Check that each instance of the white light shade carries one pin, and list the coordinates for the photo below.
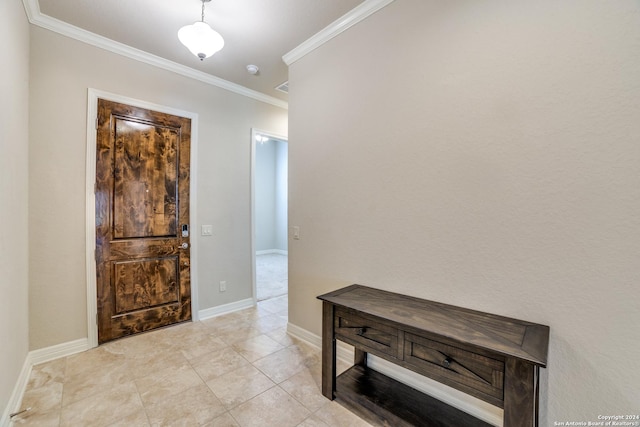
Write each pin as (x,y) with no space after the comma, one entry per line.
(201,39)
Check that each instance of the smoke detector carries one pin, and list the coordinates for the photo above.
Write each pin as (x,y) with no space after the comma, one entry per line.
(252,69)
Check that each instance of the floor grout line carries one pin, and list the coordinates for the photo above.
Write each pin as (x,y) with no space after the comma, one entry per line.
(281,362)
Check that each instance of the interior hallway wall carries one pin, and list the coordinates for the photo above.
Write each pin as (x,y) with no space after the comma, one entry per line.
(265,195)
(14,142)
(482,154)
(61,71)
(282,195)
(271,195)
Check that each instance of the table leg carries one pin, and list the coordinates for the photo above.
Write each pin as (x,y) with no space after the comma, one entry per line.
(328,351)
(521,394)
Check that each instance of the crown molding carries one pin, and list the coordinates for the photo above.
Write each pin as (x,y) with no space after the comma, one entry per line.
(361,12)
(32,9)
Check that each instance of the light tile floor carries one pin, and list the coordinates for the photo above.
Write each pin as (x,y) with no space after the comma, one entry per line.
(272,278)
(240,369)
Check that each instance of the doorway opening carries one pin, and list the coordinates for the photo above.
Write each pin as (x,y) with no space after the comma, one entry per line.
(269,203)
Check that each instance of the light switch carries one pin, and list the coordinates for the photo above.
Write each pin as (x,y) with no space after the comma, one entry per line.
(207,230)
(296,232)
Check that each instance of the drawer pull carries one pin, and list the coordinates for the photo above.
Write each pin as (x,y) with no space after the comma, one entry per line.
(446,362)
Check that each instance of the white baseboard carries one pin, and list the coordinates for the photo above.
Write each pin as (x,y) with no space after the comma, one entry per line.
(476,407)
(16,396)
(344,352)
(33,358)
(304,335)
(225,309)
(272,251)
(42,355)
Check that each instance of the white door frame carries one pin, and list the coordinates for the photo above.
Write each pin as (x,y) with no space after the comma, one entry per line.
(273,135)
(92,113)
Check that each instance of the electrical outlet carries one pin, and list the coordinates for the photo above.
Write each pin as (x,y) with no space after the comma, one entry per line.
(223,286)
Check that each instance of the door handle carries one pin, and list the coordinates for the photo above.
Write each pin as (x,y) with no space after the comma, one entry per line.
(185,245)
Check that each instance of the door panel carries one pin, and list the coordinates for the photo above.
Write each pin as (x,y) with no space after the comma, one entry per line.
(142,201)
(145,180)
(145,283)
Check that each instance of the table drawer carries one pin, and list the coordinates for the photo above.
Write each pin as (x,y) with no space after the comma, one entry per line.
(366,333)
(475,374)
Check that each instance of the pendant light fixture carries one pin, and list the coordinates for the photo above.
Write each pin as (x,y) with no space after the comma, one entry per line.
(200,38)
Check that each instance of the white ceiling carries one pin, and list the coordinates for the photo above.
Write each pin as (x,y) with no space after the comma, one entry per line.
(256,32)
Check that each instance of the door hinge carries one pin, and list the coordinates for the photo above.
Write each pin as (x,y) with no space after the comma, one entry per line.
(96,318)
(96,123)
(95,254)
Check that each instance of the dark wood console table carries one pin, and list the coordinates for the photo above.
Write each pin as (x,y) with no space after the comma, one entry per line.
(494,358)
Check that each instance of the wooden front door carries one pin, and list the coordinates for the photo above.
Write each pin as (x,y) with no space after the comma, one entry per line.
(142,220)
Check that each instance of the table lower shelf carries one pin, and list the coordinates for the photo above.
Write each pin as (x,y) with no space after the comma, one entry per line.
(384,401)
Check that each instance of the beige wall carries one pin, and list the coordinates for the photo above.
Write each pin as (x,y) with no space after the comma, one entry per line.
(61,71)
(14,115)
(483,154)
